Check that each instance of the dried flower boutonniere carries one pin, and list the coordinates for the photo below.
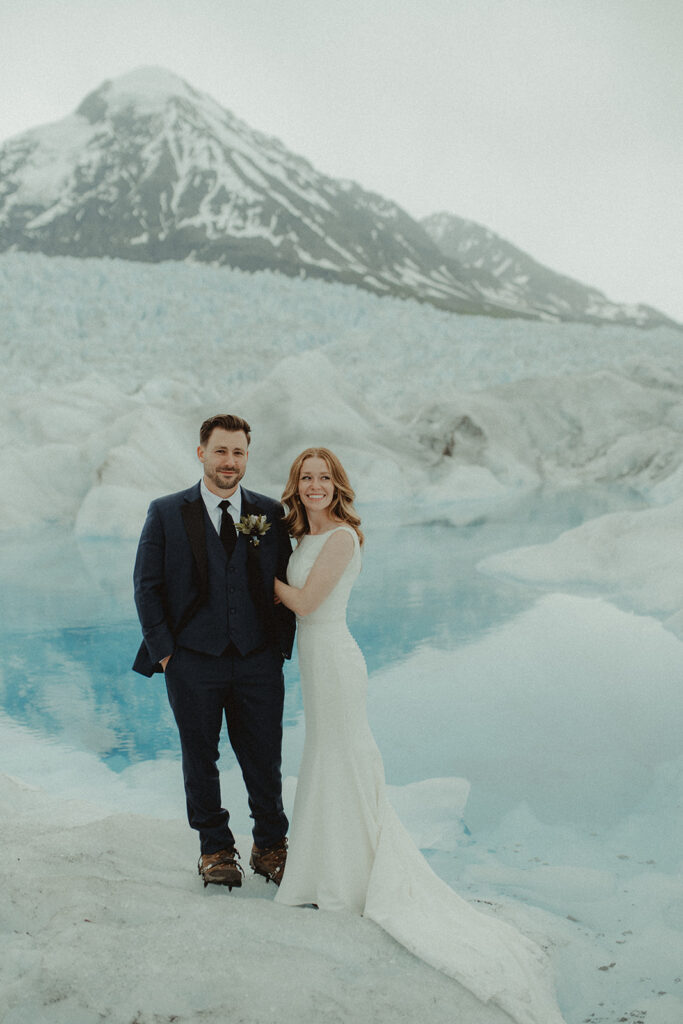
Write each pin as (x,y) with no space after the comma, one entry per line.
(253,528)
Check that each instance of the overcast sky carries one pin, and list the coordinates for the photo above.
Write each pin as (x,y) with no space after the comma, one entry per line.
(556,123)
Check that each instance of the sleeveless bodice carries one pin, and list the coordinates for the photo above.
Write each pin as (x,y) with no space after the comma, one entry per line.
(333,608)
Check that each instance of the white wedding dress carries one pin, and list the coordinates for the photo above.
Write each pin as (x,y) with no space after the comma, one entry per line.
(349,851)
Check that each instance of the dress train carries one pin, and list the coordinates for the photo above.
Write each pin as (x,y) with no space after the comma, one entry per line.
(348,849)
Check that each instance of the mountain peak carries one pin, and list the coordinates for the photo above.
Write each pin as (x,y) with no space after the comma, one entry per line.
(150,78)
(146,88)
(149,168)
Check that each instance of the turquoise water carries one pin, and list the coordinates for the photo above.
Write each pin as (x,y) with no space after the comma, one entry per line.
(69,631)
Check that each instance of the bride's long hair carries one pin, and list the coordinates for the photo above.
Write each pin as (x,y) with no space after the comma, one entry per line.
(296,519)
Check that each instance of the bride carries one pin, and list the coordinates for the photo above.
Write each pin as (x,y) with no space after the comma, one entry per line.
(347,848)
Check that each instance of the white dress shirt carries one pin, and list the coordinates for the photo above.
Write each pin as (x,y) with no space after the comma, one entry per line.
(212,501)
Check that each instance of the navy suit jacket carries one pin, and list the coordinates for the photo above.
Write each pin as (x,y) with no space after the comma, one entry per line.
(171,574)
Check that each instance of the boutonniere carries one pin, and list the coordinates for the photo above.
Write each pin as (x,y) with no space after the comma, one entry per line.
(253,527)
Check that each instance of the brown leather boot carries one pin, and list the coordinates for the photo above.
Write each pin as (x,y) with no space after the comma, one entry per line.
(221,868)
(270,861)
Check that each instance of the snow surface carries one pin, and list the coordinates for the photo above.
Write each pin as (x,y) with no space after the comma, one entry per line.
(51,162)
(106,922)
(107,370)
(146,84)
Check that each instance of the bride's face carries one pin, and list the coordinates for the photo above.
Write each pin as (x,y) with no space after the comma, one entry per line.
(316,489)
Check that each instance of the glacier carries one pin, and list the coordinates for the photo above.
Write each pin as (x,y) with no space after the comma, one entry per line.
(445,423)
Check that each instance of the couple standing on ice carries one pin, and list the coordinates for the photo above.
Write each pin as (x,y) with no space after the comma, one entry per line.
(218,597)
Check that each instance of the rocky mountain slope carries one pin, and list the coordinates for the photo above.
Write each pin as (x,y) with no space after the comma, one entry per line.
(149,169)
(524,282)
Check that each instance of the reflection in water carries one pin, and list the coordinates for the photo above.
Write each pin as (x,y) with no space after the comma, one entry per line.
(70,631)
(72,683)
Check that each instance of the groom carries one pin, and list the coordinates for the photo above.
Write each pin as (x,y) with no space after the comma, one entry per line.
(204,573)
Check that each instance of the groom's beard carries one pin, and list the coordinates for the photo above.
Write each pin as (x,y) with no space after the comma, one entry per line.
(224,481)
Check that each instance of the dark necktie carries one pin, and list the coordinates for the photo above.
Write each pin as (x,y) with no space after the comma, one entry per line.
(228,533)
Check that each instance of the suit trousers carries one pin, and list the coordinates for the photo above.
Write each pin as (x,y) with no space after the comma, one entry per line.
(248,691)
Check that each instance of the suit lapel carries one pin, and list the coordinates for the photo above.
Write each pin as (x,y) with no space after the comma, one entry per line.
(249,506)
(195,526)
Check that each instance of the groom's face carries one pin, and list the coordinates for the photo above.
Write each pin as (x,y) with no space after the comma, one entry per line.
(224,458)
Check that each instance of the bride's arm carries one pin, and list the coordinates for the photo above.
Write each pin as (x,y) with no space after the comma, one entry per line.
(335,555)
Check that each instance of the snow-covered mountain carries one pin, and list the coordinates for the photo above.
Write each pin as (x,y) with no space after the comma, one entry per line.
(522,281)
(149,169)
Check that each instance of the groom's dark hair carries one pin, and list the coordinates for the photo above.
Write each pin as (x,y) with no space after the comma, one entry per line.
(226,421)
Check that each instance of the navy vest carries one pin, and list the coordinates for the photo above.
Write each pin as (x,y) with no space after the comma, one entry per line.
(230,614)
